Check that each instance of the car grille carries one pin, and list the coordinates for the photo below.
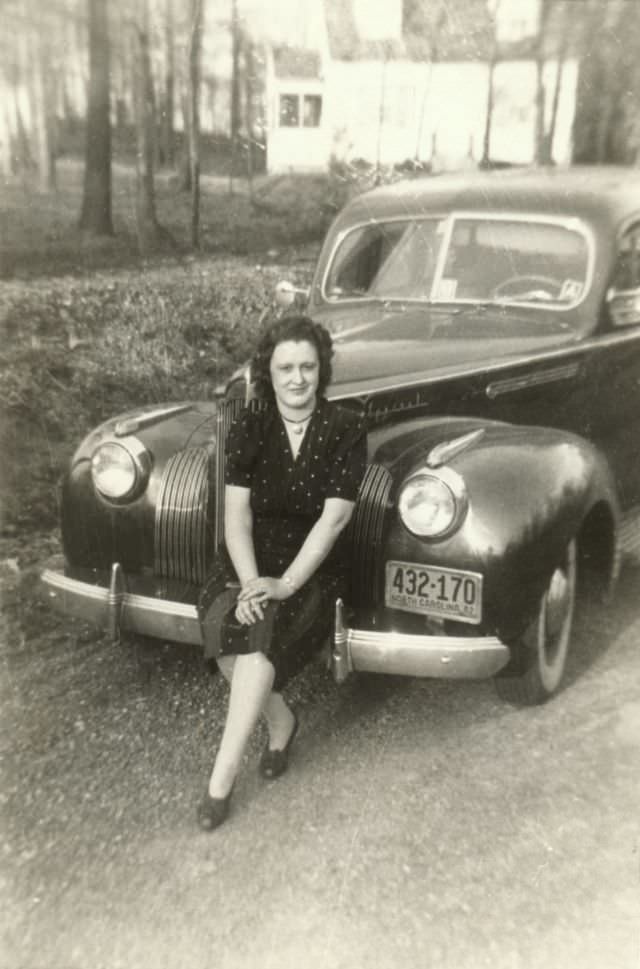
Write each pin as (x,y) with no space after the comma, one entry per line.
(227,412)
(367,535)
(180,538)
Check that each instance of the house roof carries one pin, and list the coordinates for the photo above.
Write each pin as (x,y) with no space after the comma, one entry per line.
(296,62)
(455,30)
(449,29)
(345,43)
(564,31)
(437,30)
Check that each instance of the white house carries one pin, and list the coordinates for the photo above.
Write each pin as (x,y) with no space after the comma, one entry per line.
(352,81)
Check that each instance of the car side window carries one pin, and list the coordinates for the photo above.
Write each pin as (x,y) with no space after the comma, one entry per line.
(624,293)
(627,273)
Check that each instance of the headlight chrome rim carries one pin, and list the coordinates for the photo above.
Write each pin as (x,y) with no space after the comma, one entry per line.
(452,490)
(135,464)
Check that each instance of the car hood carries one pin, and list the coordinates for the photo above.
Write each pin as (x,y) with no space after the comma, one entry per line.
(378,346)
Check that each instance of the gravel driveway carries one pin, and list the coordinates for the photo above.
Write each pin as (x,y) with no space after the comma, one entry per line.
(422,824)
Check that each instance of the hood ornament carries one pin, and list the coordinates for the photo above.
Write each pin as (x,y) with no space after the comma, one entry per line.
(133,424)
(445,452)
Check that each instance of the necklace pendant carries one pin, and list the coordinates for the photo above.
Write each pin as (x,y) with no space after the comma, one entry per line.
(298,429)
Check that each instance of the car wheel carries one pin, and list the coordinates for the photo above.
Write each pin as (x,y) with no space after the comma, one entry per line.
(542,651)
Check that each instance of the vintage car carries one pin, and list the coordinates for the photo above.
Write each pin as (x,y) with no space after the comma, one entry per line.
(488,326)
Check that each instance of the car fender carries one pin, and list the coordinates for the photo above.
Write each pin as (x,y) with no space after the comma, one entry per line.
(95,531)
(530,489)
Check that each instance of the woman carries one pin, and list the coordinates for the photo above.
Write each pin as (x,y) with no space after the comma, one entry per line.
(293,469)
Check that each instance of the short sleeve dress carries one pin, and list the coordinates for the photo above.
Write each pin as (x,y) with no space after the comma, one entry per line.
(287,498)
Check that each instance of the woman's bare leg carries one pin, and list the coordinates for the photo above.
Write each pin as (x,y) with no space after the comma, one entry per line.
(251,683)
(280,721)
(279,718)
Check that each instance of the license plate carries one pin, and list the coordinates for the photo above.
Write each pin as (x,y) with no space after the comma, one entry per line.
(445,593)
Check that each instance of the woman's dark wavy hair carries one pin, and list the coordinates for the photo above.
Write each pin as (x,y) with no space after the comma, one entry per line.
(296,328)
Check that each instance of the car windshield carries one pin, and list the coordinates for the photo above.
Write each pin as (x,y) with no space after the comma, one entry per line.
(463,258)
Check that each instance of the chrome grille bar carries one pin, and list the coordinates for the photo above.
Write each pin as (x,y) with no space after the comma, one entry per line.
(181,517)
(367,532)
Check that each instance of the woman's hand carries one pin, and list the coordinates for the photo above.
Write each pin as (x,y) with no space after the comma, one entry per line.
(264,588)
(249,611)
(255,594)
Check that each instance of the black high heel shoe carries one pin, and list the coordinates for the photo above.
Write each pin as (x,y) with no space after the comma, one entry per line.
(212,811)
(274,763)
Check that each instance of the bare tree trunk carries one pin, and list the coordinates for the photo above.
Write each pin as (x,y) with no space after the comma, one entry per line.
(195,47)
(539,149)
(22,149)
(185,165)
(21,144)
(614,83)
(249,69)
(547,155)
(540,110)
(433,59)
(485,160)
(423,104)
(149,233)
(486,141)
(5,143)
(169,86)
(95,216)
(383,91)
(39,102)
(235,71)
(608,84)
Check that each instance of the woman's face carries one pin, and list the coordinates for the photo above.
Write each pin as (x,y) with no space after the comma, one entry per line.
(295,372)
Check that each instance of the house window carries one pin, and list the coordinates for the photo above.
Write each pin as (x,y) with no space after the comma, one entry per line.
(312,110)
(292,117)
(289,111)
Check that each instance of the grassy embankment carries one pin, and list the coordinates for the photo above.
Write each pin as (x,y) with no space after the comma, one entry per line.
(89,328)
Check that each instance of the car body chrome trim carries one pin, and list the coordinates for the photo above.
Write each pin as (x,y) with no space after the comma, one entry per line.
(402,654)
(182,507)
(511,384)
(115,610)
(130,425)
(448,450)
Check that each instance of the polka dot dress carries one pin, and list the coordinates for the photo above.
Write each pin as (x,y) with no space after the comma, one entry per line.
(287,498)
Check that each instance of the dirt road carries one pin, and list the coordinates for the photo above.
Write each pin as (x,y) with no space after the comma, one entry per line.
(422,825)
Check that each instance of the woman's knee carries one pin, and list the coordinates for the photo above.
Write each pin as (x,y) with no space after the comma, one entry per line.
(256,663)
(226,665)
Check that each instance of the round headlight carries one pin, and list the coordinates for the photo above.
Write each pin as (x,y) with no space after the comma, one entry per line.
(430,506)
(114,471)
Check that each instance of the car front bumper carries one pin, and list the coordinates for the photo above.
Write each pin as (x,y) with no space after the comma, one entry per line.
(117,610)
(397,653)
(353,650)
